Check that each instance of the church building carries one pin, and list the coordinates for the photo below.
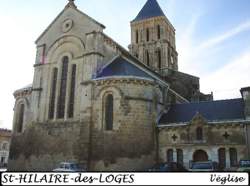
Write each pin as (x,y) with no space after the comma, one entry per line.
(94,102)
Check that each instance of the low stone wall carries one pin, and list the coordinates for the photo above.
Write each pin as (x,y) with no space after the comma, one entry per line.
(42,146)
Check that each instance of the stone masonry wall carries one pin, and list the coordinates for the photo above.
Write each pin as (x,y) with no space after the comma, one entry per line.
(213,139)
(130,145)
(42,146)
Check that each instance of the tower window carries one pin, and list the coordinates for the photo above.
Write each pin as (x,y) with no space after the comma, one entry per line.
(147,57)
(158,31)
(109,112)
(72,92)
(20,118)
(199,133)
(62,95)
(136,36)
(147,34)
(159,59)
(53,94)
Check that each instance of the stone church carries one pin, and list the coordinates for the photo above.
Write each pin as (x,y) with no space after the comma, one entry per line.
(94,102)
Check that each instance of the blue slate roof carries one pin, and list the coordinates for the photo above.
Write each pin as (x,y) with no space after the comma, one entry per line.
(149,10)
(121,67)
(212,111)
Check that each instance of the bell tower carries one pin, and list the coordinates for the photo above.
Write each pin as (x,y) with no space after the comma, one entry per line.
(153,38)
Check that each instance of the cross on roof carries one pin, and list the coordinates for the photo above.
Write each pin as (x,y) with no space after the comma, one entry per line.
(174,137)
(71,4)
(226,135)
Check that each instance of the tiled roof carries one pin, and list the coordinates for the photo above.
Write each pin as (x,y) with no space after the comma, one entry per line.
(212,111)
(121,67)
(150,9)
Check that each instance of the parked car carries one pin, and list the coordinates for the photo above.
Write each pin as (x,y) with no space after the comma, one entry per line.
(69,167)
(244,166)
(168,167)
(203,166)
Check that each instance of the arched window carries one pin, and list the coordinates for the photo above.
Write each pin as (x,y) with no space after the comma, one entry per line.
(147,34)
(109,106)
(136,36)
(180,156)
(20,118)
(222,158)
(159,58)
(158,31)
(53,94)
(147,57)
(72,92)
(233,157)
(199,133)
(170,155)
(63,88)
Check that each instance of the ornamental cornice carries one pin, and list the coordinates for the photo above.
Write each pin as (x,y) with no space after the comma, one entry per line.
(123,81)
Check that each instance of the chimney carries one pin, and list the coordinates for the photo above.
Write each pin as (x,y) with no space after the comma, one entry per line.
(245,93)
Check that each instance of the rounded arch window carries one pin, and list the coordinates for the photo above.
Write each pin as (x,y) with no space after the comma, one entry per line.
(20,118)
(108,110)
(63,88)
(199,133)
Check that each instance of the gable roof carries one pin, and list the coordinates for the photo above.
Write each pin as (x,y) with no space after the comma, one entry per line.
(149,10)
(66,7)
(121,67)
(211,110)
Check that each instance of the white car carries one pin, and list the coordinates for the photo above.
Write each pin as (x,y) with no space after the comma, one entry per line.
(68,167)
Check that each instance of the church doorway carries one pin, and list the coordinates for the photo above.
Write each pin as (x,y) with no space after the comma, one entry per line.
(200,155)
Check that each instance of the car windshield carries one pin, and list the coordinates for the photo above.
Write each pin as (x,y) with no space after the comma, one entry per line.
(74,166)
(68,166)
(202,166)
(158,166)
(62,165)
(245,163)
(166,167)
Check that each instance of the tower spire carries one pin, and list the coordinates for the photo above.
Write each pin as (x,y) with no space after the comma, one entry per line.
(71,4)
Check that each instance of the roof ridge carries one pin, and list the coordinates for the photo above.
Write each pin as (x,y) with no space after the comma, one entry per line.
(221,100)
(57,17)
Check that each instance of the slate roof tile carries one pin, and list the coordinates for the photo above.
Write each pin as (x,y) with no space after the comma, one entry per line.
(212,111)
(149,10)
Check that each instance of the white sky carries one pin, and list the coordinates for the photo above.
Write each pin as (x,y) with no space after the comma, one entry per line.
(212,40)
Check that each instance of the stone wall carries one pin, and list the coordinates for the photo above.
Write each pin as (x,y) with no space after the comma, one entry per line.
(132,140)
(166,42)
(215,135)
(129,146)
(42,146)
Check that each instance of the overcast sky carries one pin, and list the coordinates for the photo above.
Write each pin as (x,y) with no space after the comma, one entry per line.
(212,40)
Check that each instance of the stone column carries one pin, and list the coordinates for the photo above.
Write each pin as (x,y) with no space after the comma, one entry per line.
(227,158)
(174,155)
